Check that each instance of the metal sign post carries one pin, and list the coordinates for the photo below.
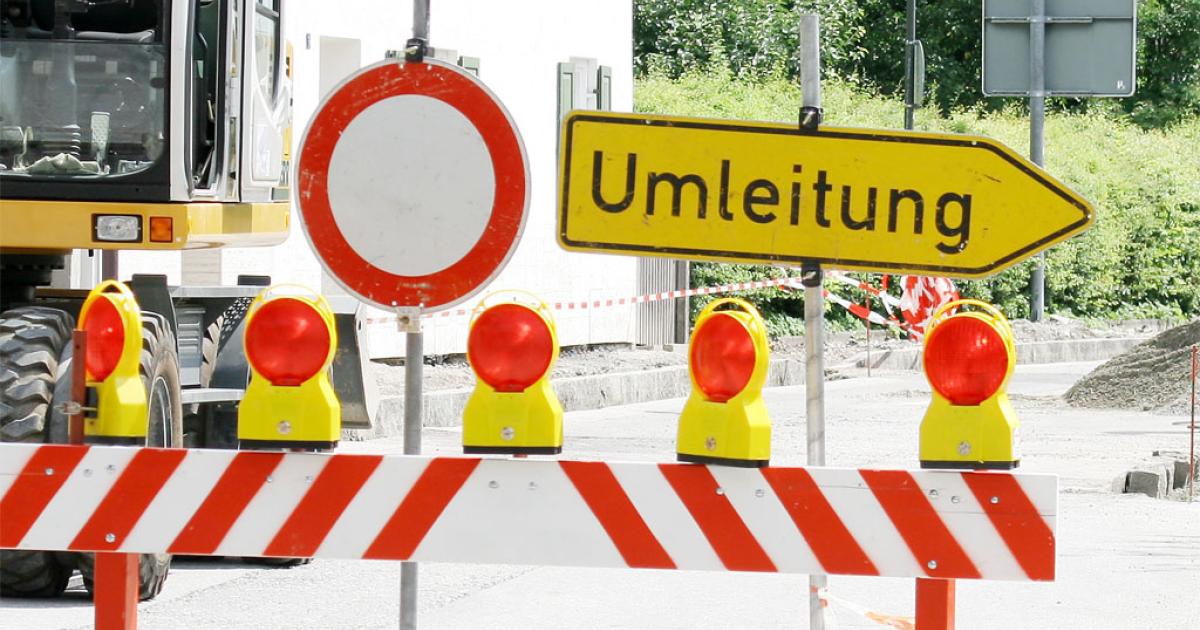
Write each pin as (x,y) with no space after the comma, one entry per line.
(1082,56)
(814,301)
(1037,125)
(910,64)
(414,363)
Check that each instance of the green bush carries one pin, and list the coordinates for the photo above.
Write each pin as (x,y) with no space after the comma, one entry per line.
(862,42)
(1142,257)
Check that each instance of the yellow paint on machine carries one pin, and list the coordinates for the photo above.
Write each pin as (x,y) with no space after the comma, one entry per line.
(60,225)
(869,200)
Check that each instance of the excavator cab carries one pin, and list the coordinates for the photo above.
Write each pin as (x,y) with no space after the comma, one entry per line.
(116,111)
(142,125)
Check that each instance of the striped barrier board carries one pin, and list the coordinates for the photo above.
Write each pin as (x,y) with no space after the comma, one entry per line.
(940,524)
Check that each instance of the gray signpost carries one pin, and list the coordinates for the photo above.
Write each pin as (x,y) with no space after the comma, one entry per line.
(1040,48)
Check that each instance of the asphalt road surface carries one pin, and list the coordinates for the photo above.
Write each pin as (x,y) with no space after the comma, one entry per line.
(1125,561)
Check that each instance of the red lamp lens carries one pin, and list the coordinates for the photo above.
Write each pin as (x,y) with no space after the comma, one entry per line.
(966,360)
(105,338)
(510,347)
(722,357)
(287,341)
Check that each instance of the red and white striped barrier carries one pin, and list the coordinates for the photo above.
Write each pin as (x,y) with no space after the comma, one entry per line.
(941,524)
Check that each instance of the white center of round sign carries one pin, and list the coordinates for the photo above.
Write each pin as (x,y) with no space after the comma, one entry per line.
(413,166)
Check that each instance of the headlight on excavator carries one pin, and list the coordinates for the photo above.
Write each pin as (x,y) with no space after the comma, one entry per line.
(117,228)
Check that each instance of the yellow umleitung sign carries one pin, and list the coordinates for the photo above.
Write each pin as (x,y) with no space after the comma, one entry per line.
(863,199)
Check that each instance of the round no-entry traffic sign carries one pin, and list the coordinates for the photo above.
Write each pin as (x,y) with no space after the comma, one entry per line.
(413,184)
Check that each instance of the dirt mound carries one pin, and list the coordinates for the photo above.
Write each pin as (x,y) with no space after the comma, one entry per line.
(1152,376)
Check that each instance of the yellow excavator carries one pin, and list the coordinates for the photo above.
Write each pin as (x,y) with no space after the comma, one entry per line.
(141,125)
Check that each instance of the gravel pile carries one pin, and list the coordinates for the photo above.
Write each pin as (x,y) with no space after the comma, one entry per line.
(1152,376)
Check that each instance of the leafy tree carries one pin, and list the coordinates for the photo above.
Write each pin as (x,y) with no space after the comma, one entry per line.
(1168,62)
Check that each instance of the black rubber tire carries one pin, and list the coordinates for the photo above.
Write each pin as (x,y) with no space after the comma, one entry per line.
(159,369)
(32,342)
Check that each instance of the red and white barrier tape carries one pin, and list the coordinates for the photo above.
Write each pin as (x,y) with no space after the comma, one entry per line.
(856,309)
(640,299)
(886,297)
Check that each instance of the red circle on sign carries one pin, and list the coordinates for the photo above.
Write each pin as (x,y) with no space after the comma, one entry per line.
(966,360)
(510,347)
(287,341)
(458,89)
(722,357)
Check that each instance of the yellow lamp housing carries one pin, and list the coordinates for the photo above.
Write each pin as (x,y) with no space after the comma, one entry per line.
(512,346)
(290,403)
(969,359)
(725,420)
(117,409)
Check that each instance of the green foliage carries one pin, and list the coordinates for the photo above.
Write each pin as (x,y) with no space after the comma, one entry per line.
(1168,62)
(752,38)
(862,43)
(1142,258)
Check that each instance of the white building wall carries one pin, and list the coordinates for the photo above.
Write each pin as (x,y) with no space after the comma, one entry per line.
(519,45)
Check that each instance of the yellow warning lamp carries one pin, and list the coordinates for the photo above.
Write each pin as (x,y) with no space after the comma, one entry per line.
(725,420)
(290,403)
(969,357)
(513,410)
(117,409)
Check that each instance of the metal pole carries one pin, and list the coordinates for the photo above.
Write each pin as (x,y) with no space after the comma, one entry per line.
(1037,123)
(814,299)
(414,362)
(682,282)
(109,264)
(910,64)
(421,19)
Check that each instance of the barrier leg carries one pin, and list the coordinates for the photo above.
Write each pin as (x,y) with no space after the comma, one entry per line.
(935,604)
(116,591)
